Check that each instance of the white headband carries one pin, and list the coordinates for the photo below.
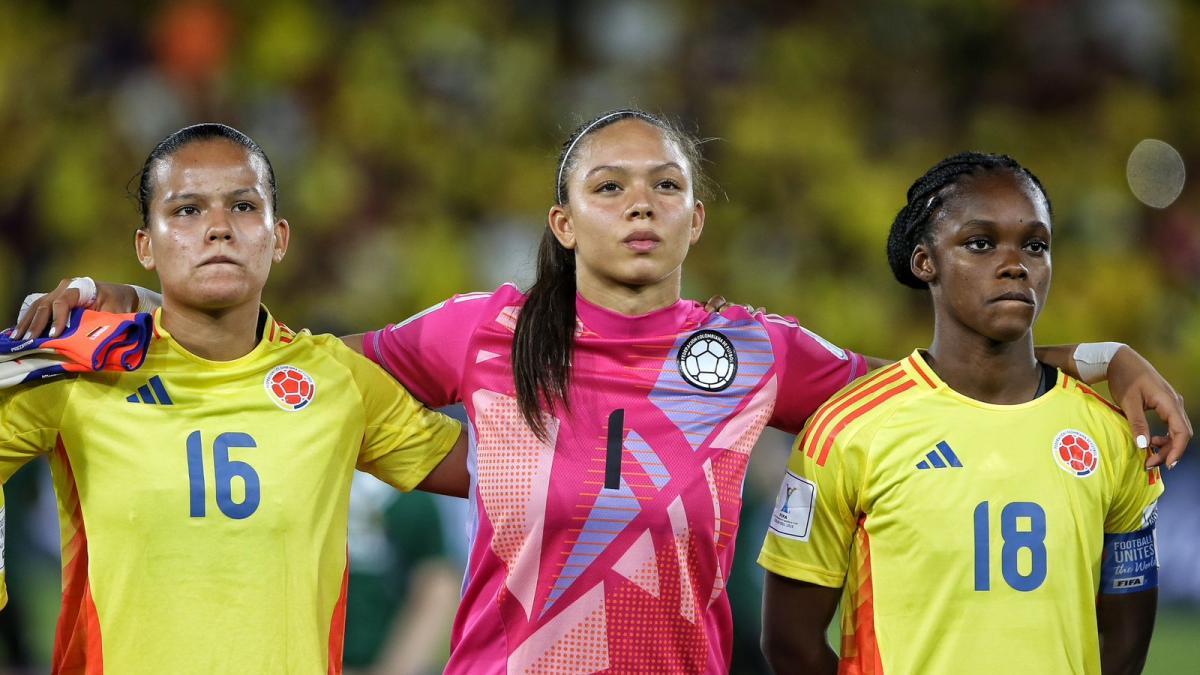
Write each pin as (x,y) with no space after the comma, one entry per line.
(558,186)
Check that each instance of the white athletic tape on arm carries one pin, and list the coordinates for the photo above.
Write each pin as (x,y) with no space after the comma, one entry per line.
(147,300)
(1092,359)
(87,290)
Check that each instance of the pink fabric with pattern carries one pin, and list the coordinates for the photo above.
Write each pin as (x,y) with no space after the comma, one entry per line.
(576,570)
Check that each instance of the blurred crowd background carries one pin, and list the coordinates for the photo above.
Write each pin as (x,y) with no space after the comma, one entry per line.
(415,147)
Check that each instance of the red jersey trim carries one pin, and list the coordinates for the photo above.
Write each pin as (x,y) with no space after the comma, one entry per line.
(78,646)
(861,650)
(337,625)
(919,366)
(867,407)
(1090,392)
(835,406)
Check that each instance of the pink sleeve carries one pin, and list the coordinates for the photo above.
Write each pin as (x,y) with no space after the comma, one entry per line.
(810,369)
(427,351)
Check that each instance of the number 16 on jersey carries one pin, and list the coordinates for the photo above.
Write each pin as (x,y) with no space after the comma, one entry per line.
(225,471)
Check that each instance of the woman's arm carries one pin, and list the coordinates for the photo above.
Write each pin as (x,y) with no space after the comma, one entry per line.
(796,615)
(1126,623)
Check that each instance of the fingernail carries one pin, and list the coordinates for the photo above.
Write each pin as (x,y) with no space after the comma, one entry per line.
(1141,442)
(53,332)
(1172,465)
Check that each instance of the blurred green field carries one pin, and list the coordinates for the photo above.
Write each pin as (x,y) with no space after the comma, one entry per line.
(1176,645)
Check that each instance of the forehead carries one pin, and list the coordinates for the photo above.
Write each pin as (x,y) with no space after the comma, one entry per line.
(215,165)
(1000,196)
(629,141)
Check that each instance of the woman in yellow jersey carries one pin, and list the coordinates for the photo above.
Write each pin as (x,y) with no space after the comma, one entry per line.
(970,500)
(203,498)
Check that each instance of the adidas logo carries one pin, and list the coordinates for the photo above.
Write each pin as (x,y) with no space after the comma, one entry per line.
(947,458)
(152,392)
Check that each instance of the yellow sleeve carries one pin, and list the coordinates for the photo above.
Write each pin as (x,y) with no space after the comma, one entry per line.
(29,422)
(403,440)
(817,509)
(1135,490)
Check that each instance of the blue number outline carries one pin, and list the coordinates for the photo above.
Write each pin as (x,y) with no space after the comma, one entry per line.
(225,471)
(1033,539)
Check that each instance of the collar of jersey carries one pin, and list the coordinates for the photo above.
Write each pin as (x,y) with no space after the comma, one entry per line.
(262,346)
(608,323)
(917,364)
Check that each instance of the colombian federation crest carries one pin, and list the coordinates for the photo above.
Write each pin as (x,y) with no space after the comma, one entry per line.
(708,361)
(1076,453)
(290,388)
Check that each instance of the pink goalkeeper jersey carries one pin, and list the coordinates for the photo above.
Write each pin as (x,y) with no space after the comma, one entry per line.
(608,548)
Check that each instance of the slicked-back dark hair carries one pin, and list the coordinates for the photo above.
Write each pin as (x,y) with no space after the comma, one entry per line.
(913,224)
(197,132)
(545,331)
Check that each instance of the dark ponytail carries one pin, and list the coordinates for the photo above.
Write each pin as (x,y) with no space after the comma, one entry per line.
(545,332)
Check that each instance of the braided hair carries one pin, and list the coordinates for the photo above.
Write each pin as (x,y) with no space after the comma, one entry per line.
(914,222)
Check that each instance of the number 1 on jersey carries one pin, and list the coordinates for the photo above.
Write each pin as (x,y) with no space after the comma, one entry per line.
(225,470)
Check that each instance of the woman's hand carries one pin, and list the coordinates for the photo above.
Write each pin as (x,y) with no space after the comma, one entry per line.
(54,308)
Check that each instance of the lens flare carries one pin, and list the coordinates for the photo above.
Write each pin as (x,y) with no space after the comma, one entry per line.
(1155,172)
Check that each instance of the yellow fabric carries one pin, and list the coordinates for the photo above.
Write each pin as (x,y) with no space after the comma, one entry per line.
(910,545)
(185,576)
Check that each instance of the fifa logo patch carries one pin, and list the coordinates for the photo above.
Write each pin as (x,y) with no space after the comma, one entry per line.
(290,388)
(1076,453)
(708,361)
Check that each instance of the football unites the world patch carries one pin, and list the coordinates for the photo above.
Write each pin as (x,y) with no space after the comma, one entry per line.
(708,361)
(1076,453)
(290,388)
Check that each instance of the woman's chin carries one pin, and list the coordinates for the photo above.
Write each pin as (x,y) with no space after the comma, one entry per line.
(1009,331)
(212,297)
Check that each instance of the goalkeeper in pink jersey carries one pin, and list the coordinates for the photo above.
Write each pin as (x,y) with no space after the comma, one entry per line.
(611,422)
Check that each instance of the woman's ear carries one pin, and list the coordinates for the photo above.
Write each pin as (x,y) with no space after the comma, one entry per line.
(922,264)
(144,248)
(560,223)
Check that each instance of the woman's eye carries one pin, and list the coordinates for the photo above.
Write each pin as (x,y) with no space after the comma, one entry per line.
(668,184)
(979,244)
(1038,246)
(187,211)
(607,187)
(243,207)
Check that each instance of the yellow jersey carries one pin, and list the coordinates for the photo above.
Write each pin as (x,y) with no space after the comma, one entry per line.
(203,504)
(967,536)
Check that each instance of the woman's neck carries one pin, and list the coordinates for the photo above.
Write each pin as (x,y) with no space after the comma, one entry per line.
(216,335)
(1003,373)
(626,299)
